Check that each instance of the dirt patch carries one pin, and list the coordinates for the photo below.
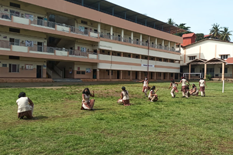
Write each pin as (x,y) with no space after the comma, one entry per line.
(226,147)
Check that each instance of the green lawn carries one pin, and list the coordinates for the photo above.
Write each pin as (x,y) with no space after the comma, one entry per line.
(170,126)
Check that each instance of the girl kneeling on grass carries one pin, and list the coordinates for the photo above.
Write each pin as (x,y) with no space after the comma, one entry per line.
(124,97)
(174,88)
(87,104)
(25,106)
(153,97)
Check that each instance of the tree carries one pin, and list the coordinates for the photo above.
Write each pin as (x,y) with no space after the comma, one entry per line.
(182,26)
(215,31)
(225,34)
(171,22)
(199,36)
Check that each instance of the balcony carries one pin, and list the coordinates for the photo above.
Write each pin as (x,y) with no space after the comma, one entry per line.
(137,42)
(47,25)
(45,50)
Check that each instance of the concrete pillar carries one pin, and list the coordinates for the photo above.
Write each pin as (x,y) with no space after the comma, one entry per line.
(180,47)
(169,45)
(98,74)
(111,32)
(99,28)
(189,71)
(122,35)
(140,57)
(139,75)
(223,71)
(122,54)
(155,76)
(140,39)
(156,41)
(205,70)
(132,37)
(131,75)
(168,76)
(131,55)
(121,75)
(162,76)
(110,75)
(175,46)
(110,52)
(163,44)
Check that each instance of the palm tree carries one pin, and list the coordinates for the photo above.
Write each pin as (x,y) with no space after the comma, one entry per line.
(225,34)
(171,22)
(215,31)
(182,26)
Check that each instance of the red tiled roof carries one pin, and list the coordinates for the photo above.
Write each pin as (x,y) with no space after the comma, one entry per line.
(229,60)
(188,35)
(206,35)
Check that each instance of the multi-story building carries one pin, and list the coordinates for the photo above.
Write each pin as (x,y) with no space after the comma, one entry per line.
(84,39)
(208,57)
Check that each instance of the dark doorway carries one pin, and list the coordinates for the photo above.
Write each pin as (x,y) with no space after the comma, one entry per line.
(40,21)
(39,71)
(118,74)
(136,75)
(176,76)
(94,74)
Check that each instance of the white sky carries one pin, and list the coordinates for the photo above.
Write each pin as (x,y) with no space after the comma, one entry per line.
(200,15)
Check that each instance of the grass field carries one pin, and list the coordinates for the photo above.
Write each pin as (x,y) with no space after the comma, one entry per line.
(170,126)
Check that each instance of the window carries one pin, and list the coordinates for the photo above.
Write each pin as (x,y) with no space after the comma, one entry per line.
(14,41)
(84,22)
(192,58)
(14,30)
(4,65)
(225,70)
(15,5)
(78,72)
(107,71)
(14,13)
(128,73)
(14,57)
(13,68)
(83,72)
(224,57)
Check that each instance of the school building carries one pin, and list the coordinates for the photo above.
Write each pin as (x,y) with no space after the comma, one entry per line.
(92,40)
(208,57)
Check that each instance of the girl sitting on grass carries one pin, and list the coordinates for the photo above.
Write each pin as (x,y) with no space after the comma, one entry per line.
(194,90)
(153,97)
(124,97)
(174,88)
(25,106)
(87,104)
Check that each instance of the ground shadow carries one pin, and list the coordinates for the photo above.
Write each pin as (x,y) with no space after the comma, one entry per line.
(36,118)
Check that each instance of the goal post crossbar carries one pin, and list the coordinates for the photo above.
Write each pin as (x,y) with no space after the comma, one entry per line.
(192,74)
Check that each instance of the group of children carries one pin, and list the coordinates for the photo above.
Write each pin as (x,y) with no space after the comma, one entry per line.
(26,106)
(186,92)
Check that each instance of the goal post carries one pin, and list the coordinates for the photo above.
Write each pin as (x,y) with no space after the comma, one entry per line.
(186,75)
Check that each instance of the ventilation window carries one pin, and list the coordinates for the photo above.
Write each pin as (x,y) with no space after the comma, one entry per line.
(15,5)
(14,30)
(14,57)
(83,22)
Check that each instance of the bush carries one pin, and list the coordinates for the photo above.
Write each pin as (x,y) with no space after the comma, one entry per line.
(208,77)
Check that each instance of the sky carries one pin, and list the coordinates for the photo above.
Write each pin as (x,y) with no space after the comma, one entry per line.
(200,15)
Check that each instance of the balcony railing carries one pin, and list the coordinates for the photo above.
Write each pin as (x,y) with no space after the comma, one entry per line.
(43,49)
(50,24)
(81,31)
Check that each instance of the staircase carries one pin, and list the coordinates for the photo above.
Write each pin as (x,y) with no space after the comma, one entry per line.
(52,73)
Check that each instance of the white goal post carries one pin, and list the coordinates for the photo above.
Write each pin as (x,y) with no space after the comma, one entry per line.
(184,74)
